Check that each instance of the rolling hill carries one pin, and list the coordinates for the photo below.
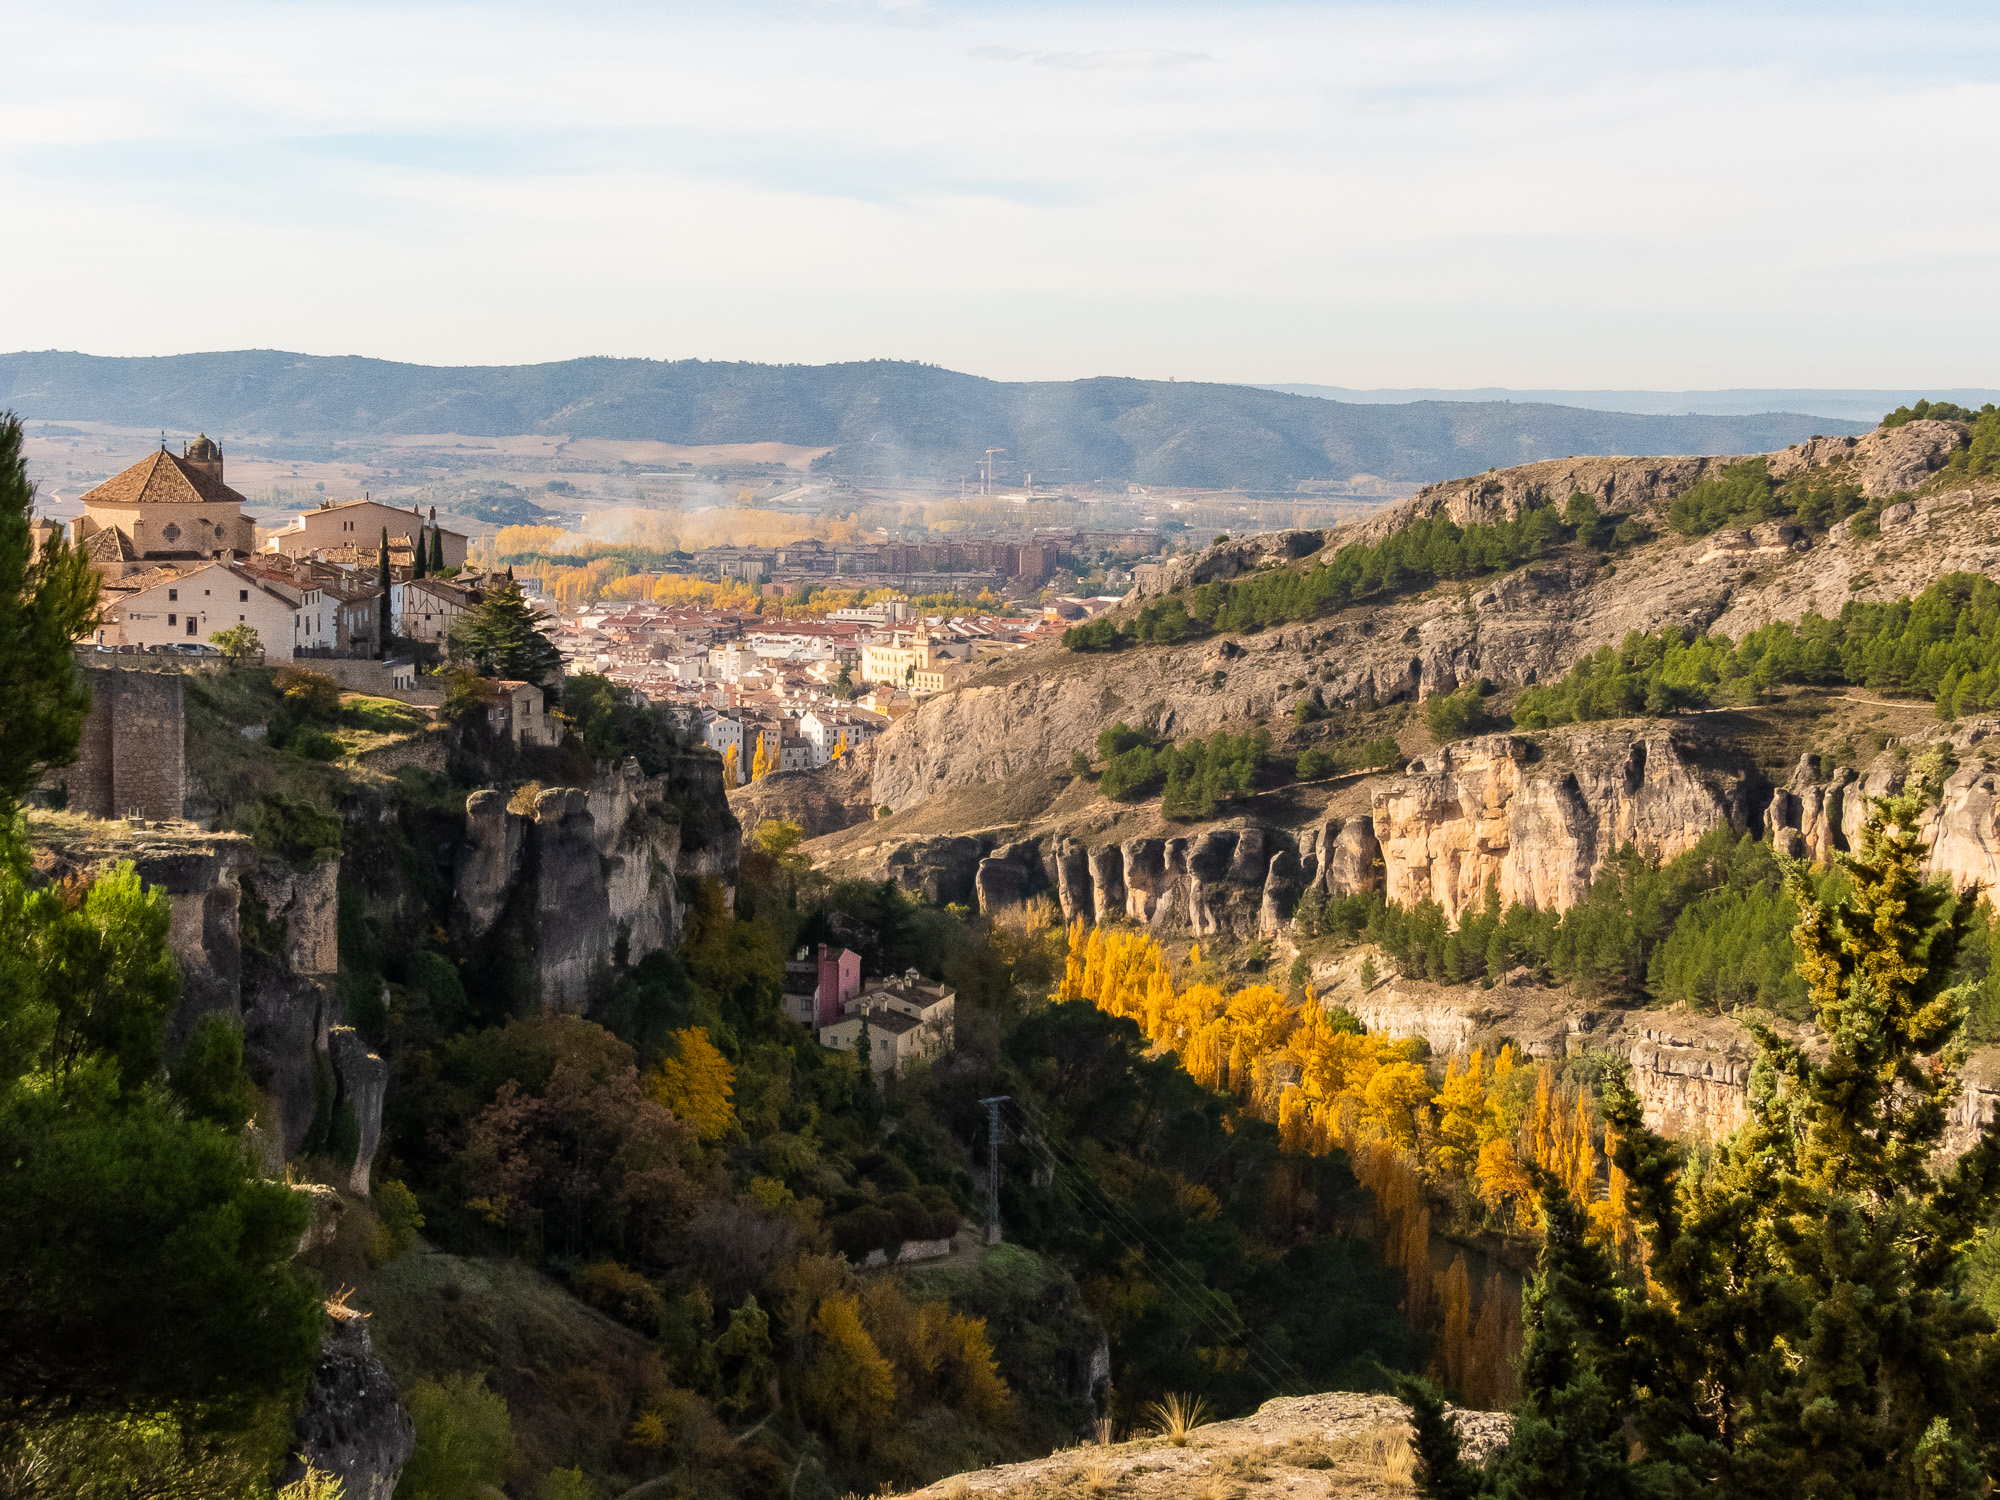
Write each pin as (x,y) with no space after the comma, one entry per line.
(879,417)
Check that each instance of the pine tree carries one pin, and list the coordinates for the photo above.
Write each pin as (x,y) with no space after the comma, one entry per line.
(1804,1327)
(502,637)
(47,600)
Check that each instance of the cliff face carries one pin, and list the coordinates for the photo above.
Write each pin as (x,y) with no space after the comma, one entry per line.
(1020,714)
(1816,816)
(1539,826)
(1538,821)
(586,873)
(255,940)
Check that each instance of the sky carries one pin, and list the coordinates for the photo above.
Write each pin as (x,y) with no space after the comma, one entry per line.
(1656,196)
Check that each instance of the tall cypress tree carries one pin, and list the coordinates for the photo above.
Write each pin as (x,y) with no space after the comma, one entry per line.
(382,580)
(1807,1329)
(417,558)
(437,549)
(47,601)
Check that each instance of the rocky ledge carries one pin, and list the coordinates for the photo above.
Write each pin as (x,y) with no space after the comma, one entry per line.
(1337,1444)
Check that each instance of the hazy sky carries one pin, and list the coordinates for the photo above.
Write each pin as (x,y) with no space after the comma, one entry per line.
(1649,196)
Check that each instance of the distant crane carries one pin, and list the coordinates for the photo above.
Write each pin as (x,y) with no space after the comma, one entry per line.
(986,485)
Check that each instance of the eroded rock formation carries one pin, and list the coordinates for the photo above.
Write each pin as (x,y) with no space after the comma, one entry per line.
(588,874)
(352,1424)
(1538,823)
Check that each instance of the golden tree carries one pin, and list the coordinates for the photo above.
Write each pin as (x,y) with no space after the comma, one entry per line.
(696,1083)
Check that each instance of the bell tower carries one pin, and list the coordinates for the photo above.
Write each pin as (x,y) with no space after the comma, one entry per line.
(204,455)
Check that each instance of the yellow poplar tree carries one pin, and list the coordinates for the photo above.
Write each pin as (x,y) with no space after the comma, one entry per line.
(696,1084)
(1455,1341)
(729,766)
(760,763)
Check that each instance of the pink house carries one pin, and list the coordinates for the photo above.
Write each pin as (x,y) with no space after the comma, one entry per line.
(817,990)
(839,982)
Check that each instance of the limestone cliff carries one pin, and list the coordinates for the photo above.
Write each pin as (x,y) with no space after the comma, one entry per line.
(1537,820)
(255,941)
(1024,713)
(587,875)
(1817,815)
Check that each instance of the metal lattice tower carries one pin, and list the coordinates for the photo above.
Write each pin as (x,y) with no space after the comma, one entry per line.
(993,1166)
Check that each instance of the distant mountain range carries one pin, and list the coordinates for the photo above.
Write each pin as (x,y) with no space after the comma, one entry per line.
(1843,405)
(879,417)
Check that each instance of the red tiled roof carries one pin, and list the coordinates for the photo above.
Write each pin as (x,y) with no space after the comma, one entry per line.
(161,477)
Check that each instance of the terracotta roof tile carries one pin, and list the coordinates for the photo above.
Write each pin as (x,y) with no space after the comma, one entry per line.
(162,477)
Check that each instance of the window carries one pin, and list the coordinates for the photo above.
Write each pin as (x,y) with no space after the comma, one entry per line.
(173,595)
(190,624)
(172,619)
(243,596)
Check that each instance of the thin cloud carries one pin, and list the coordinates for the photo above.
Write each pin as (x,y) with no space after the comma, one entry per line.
(1144,58)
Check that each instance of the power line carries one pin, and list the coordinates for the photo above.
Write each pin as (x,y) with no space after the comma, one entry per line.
(1203,1304)
(1174,1275)
(1172,1263)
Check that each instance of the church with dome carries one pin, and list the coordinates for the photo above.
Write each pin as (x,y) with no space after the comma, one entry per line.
(167,510)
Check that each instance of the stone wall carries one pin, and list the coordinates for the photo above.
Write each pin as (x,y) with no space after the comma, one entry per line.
(132,757)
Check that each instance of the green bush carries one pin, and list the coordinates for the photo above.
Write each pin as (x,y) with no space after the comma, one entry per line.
(1415,557)
(1315,764)
(464,1439)
(311,744)
(1097,635)
(210,1078)
(1743,494)
(1201,774)
(397,1220)
(1452,716)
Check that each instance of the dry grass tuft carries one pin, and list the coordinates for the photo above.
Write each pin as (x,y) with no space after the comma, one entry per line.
(1178,1416)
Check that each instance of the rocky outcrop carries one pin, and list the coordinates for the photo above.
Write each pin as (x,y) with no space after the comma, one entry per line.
(1964,828)
(1004,880)
(1537,822)
(1691,1087)
(586,874)
(1313,1445)
(352,1424)
(1815,816)
(305,904)
(825,800)
(1354,861)
(361,1084)
(1884,462)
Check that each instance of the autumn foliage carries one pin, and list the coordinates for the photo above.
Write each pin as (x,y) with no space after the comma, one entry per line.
(1470,1138)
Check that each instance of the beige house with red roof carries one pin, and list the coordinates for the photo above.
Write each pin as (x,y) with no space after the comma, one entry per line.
(183,608)
(340,524)
(167,509)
